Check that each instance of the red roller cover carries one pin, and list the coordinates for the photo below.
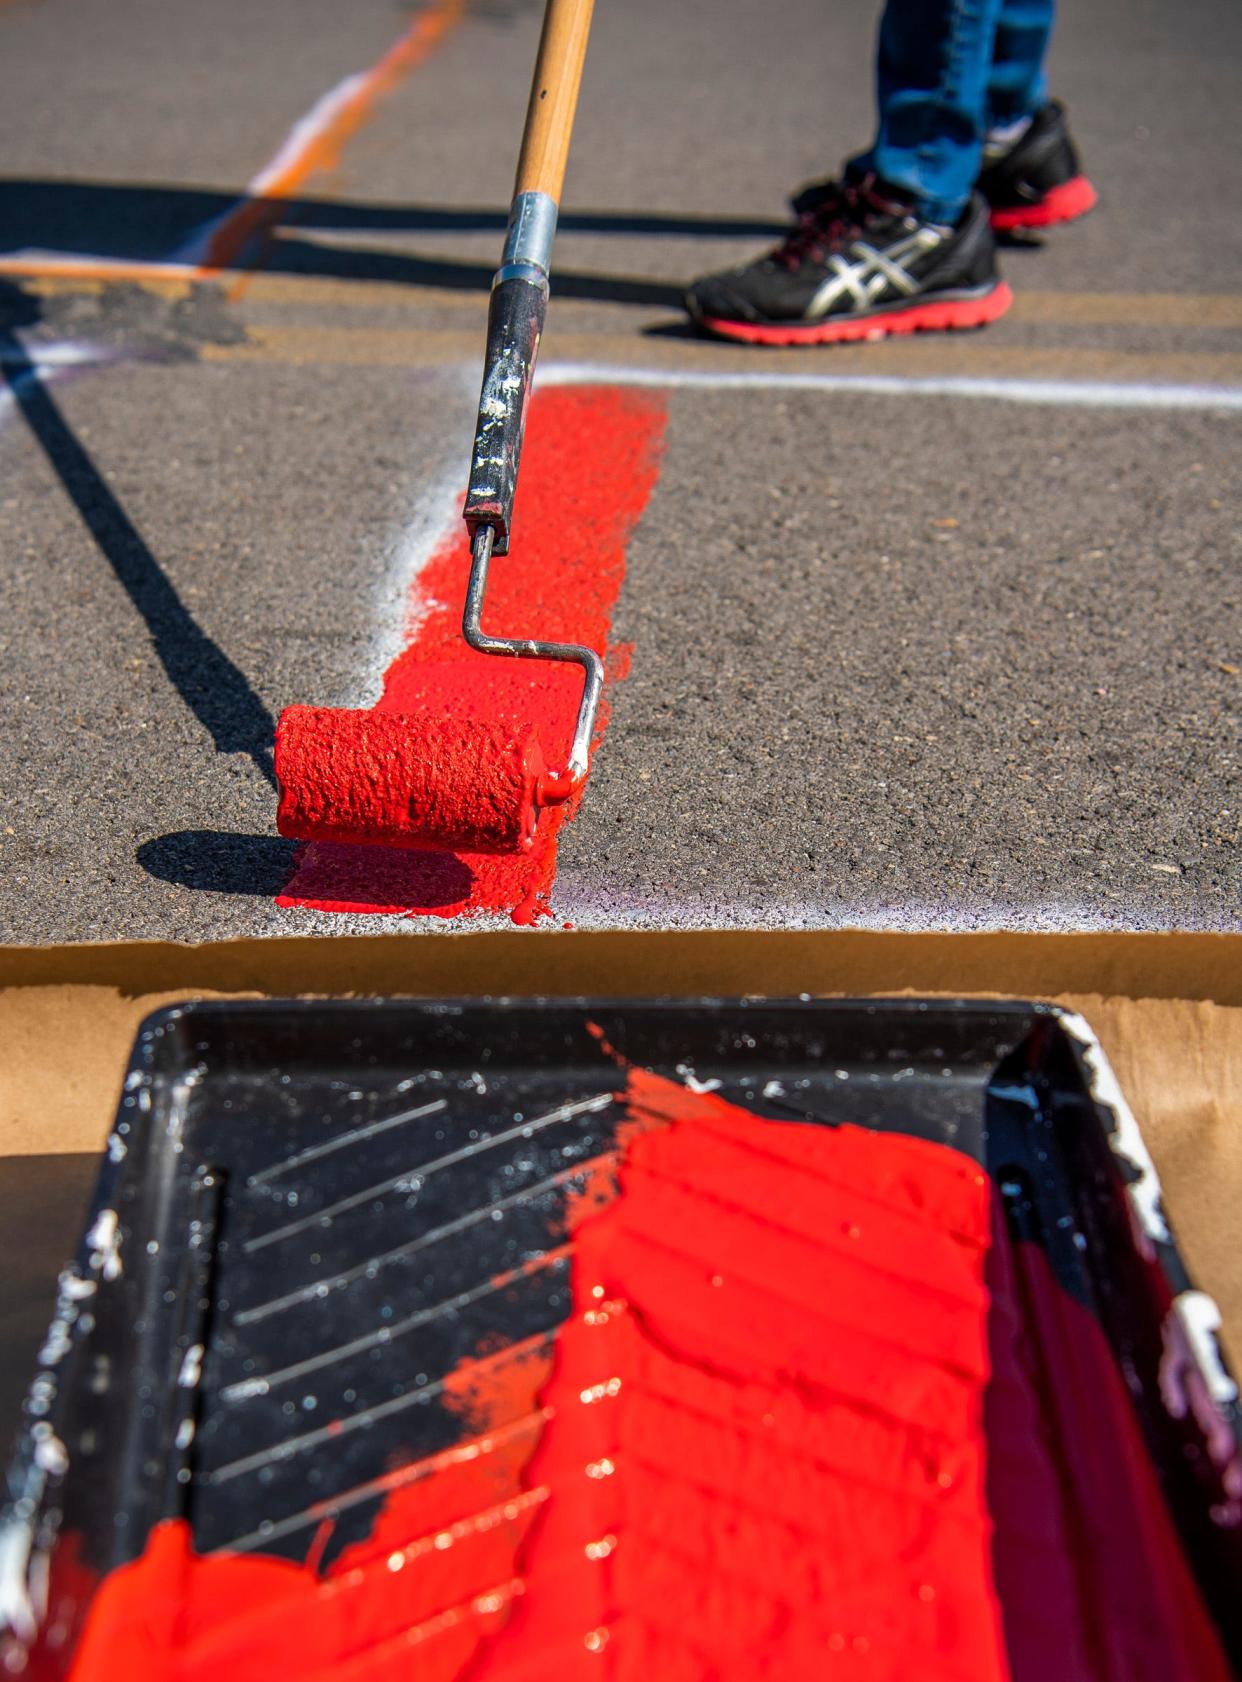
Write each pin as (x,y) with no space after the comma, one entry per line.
(405,780)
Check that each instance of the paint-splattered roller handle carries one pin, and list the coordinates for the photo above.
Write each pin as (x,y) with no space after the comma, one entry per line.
(514,324)
(520,290)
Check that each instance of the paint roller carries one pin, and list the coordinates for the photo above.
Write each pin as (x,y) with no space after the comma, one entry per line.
(479,785)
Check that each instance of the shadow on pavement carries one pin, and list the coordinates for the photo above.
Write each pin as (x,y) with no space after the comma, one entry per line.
(152,224)
(213,861)
(285,255)
(681,328)
(327,874)
(115,219)
(1020,239)
(214,689)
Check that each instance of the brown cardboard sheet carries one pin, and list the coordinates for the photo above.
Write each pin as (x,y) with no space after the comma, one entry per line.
(717,962)
(1167,1008)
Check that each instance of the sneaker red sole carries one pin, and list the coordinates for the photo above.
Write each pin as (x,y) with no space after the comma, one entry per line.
(934,316)
(1065,203)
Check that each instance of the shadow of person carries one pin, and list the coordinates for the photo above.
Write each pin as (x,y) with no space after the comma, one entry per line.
(216,691)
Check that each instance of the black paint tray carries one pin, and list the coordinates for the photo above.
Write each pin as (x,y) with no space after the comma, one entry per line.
(303,1203)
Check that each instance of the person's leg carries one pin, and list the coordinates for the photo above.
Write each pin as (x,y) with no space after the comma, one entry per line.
(904,244)
(1032,177)
(933,67)
(1016,89)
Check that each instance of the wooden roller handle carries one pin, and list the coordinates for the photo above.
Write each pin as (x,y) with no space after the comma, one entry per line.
(553,97)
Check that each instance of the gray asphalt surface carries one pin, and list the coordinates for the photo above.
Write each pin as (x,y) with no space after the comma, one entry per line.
(842,708)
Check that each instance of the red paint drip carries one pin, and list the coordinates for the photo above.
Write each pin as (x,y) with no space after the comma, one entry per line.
(589,466)
(812,1415)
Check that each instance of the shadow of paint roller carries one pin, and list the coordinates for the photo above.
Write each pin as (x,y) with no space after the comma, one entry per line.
(413,780)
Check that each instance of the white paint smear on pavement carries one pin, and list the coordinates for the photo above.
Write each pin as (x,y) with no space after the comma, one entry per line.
(435,516)
(195,251)
(589,908)
(1105,394)
(48,363)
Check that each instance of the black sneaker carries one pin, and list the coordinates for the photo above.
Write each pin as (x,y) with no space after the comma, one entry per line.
(1034,183)
(1037,181)
(861,268)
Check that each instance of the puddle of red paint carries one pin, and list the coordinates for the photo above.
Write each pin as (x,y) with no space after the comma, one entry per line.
(812,1414)
(590,464)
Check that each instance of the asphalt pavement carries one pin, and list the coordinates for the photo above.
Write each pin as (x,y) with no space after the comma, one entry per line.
(947,640)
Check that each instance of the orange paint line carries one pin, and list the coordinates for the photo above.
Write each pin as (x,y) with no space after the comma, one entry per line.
(317,141)
(315,144)
(97,268)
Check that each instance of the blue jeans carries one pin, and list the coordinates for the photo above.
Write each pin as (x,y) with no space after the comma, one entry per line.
(947,71)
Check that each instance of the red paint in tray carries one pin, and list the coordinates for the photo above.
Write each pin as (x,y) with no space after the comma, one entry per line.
(589,466)
(812,1415)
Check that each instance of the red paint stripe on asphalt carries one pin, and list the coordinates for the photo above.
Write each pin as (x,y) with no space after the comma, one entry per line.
(590,464)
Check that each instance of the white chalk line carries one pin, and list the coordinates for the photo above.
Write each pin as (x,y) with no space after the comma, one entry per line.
(435,515)
(62,353)
(47,364)
(306,131)
(1104,394)
(590,909)
(187,260)
(196,248)
(274,179)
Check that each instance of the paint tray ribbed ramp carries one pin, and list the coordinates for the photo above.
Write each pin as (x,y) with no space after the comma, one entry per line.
(691,1339)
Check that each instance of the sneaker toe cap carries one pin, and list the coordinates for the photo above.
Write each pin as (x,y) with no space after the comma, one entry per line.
(720,297)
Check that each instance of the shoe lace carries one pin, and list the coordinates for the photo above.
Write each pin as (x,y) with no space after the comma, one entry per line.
(833,223)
